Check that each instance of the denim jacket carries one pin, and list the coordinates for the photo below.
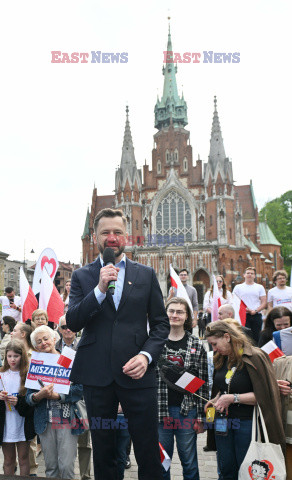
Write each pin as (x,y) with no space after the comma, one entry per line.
(41,411)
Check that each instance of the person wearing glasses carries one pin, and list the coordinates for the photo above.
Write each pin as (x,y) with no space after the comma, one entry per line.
(225,297)
(191,291)
(181,414)
(68,337)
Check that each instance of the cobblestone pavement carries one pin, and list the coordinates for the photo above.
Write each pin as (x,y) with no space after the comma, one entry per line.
(207,464)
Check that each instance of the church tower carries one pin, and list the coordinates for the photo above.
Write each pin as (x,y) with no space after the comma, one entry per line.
(223,219)
(128,185)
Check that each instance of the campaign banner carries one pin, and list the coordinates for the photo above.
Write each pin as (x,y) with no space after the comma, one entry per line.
(45,367)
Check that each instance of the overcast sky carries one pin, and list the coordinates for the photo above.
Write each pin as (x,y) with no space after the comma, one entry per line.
(62,124)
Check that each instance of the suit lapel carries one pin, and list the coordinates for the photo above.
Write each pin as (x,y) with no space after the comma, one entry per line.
(130,278)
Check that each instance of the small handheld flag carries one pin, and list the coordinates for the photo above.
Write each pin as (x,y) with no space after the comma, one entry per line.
(66,358)
(165,459)
(189,382)
(272,350)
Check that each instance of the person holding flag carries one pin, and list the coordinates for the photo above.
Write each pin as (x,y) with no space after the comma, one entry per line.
(54,416)
(182,369)
(219,292)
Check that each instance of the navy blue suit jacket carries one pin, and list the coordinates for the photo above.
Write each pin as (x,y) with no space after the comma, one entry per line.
(111,337)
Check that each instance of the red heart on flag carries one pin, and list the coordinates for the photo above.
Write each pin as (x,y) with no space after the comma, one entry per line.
(49,261)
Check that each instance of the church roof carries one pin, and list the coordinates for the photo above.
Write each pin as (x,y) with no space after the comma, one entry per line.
(251,245)
(86,225)
(266,235)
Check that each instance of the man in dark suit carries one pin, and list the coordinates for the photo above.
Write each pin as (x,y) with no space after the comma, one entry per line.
(116,354)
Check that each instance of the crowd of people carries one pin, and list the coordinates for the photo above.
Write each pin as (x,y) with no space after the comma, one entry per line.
(133,350)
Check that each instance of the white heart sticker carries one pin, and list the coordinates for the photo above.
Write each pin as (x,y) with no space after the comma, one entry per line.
(49,267)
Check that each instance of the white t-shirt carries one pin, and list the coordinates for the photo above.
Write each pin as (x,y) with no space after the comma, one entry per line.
(14,423)
(208,300)
(11,312)
(250,294)
(281,297)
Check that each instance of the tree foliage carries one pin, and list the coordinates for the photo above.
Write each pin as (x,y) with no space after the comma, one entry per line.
(278,215)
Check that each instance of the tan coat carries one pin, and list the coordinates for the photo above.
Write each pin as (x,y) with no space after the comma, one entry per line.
(266,390)
(4,342)
(283,370)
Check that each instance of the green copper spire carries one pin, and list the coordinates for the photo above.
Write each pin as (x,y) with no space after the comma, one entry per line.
(170,105)
(86,226)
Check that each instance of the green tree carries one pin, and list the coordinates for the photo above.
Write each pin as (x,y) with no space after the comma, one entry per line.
(278,215)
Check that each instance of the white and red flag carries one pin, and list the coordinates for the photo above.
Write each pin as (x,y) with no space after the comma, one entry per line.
(47,260)
(50,299)
(29,302)
(180,289)
(66,358)
(239,309)
(272,350)
(189,382)
(216,300)
(165,459)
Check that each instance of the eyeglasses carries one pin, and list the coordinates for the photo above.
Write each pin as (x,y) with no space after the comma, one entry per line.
(178,312)
(219,281)
(64,327)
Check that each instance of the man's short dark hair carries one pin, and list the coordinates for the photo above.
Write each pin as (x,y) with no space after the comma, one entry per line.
(109,213)
(9,290)
(183,270)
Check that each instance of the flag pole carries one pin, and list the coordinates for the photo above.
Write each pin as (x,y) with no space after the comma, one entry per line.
(8,403)
(203,398)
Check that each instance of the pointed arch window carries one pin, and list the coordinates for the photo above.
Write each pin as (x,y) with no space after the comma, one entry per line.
(175,156)
(185,164)
(275,259)
(173,219)
(159,167)
(167,156)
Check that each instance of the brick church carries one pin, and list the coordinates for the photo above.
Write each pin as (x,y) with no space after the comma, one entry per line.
(183,212)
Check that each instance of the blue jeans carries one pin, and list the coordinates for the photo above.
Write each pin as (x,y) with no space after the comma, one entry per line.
(186,441)
(232,448)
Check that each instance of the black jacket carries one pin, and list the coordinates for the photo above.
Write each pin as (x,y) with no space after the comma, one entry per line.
(112,337)
(24,410)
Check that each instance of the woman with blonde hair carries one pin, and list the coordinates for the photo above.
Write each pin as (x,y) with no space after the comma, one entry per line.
(243,378)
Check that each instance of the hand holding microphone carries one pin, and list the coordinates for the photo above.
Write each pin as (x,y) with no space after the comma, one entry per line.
(109,273)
